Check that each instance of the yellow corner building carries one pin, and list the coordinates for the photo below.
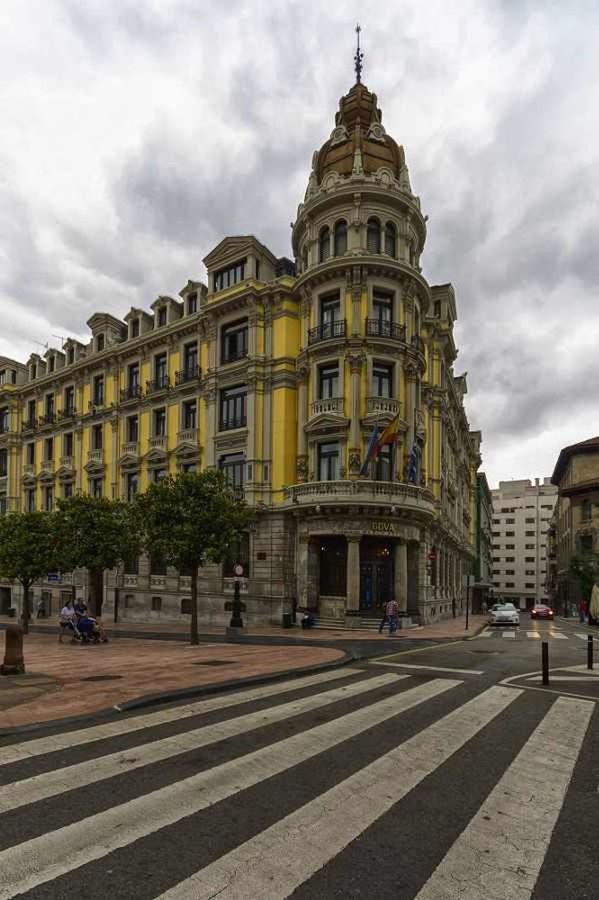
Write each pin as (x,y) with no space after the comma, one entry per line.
(276,372)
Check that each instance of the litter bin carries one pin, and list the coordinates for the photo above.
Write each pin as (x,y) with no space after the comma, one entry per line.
(287,620)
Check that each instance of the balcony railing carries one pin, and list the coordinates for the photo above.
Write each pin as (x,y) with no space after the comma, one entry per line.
(29,425)
(159,440)
(133,392)
(66,461)
(47,419)
(188,434)
(234,355)
(333,405)
(158,384)
(96,456)
(28,469)
(327,331)
(384,329)
(361,491)
(47,465)
(190,373)
(130,448)
(388,405)
(233,422)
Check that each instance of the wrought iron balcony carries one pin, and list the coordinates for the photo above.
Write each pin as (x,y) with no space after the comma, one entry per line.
(191,373)
(29,425)
(69,413)
(333,405)
(328,331)
(233,422)
(381,328)
(385,405)
(47,419)
(132,392)
(158,384)
(234,355)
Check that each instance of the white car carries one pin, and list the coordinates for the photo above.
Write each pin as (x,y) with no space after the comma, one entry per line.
(504,614)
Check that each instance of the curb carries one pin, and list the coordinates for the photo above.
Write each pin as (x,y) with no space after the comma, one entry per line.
(149,700)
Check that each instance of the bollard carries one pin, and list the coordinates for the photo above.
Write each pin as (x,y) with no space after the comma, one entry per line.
(545,661)
(14,663)
(590,651)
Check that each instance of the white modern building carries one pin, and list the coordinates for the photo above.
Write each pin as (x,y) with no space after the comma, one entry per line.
(521,516)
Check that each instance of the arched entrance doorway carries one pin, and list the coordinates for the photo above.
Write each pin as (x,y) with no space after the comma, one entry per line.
(376,574)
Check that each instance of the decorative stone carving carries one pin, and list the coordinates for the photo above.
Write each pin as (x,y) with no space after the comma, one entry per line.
(354,461)
(339,135)
(376,132)
(411,370)
(302,373)
(355,361)
(302,468)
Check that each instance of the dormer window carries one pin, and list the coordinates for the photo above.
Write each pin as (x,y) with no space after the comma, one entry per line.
(51,362)
(70,356)
(33,371)
(100,343)
(162,316)
(134,328)
(231,275)
(192,304)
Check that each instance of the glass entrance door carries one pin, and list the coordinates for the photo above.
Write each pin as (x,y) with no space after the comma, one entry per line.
(376,579)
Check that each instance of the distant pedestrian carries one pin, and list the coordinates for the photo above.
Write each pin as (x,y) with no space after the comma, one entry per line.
(483,607)
(41,612)
(583,608)
(392,613)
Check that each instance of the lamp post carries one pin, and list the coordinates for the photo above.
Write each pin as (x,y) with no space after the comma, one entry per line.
(236,620)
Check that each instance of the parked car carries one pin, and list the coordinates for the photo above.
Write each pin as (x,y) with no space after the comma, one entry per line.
(541,611)
(504,614)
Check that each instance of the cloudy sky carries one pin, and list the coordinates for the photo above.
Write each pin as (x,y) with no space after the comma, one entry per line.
(134,135)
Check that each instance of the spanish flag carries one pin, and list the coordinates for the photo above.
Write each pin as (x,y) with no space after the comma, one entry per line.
(389,435)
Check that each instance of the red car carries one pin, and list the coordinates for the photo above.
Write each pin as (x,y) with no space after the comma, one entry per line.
(541,612)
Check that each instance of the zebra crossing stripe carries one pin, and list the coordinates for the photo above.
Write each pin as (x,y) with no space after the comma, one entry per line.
(275,862)
(69,778)
(558,635)
(501,851)
(508,634)
(533,634)
(583,637)
(38,746)
(44,858)
(486,633)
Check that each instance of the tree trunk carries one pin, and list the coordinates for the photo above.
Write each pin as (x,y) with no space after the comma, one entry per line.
(194,637)
(26,611)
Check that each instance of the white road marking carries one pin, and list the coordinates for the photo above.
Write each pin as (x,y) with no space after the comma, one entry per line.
(432,668)
(486,633)
(563,678)
(69,778)
(275,862)
(583,637)
(501,851)
(508,634)
(533,634)
(38,746)
(50,855)
(558,635)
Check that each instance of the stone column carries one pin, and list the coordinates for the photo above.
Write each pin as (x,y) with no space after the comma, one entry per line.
(211,423)
(355,364)
(114,466)
(356,297)
(411,375)
(302,411)
(353,575)
(79,458)
(303,543)
(252,383)
(400,564)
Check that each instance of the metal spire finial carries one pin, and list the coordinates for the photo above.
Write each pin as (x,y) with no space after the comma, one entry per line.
(359,56)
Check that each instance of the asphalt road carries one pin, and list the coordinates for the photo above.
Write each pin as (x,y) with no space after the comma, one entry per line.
(444,772)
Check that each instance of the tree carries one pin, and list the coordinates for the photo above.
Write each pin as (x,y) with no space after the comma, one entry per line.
(97,533)
(188,520)
(29,549)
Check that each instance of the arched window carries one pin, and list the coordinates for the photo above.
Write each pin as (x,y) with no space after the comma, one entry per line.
(390,239)
(324,243)
(373,235)
(340,238)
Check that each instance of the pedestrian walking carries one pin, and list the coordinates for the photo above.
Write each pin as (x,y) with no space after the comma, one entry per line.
(41,611)
(583,607)
(80,609)
(392,613)
(67,620)
(483,607)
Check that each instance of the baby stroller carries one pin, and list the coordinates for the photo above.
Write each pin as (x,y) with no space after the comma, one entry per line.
(91,631)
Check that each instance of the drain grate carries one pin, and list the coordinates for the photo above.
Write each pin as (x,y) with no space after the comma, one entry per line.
(101,678)
(215,662)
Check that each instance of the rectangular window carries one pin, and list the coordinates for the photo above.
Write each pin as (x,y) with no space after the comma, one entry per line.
(529,559)
(131,485)
(231,275)
(234,341)
(49,405)
(189,414)
(529,533)
(49,448)
(529,521)
(510,521)
(510,534)
(30,499)
(134,328)
(48,499)
(67,489)
(529,572)
(157,565)
(161,371)
(328,381)
(382,380)
(233,407)
(160,422)
(162,316)
(382,308)
(510,572)
(70,356)
(133,377)
(192,304)
(67,444)
(69,401)
(510,559)
(100,343)
(510,546)
(97,437)
(31,453)
(233,467)
(190,359)
(159,475)
(31,412)
(384,464)
(96,487)
(132,429)
(509,584)
(3,462)
(189,467)
(328,462)
(98,390)
(156,604)
(330,312)
(530,587)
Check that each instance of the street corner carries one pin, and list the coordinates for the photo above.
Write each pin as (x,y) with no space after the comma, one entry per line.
(576,680)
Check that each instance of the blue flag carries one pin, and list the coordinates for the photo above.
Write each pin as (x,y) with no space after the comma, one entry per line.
(372,443)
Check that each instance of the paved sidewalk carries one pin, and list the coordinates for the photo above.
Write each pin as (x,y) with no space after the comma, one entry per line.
(65,680)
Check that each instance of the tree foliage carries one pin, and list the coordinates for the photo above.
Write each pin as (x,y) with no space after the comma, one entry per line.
(97,533)
(29,549)
(585,568)
(191,519)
